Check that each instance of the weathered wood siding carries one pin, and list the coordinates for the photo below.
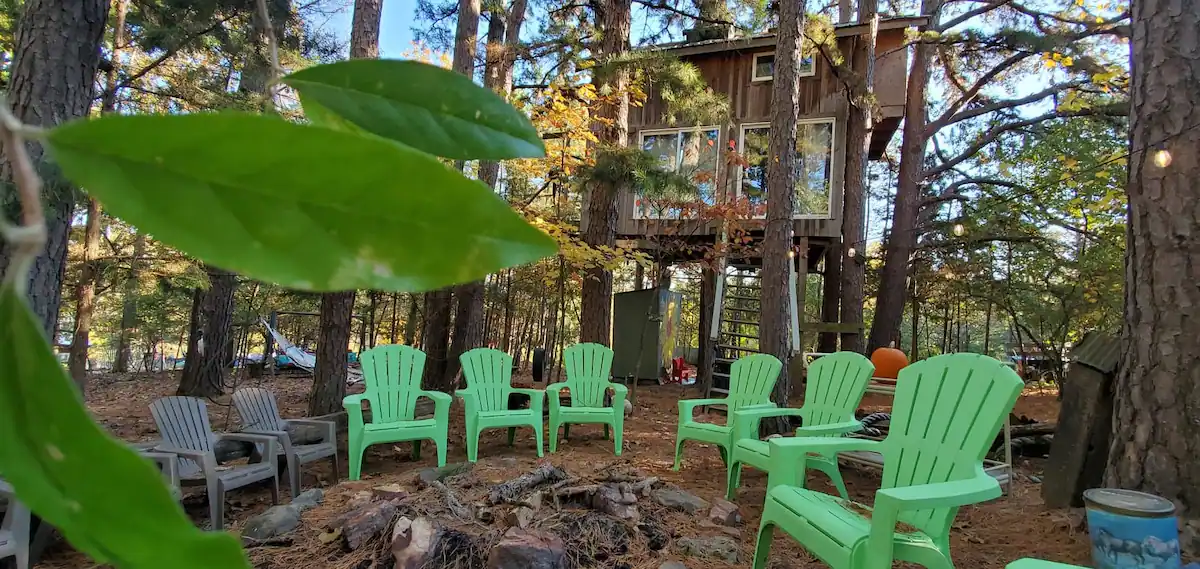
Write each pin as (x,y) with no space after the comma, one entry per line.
(730,72)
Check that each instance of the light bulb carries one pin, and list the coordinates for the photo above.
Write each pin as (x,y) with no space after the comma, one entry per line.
(1162,158)
(792,254)
(959,229)
(851,252)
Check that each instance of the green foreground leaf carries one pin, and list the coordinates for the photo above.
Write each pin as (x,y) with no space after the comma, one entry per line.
(424,106)
(304,207)
(108,502)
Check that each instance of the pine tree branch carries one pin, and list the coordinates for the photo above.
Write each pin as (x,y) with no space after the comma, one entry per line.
(662,5)
(972,91)
(168,54)
(968,114)
(942,27)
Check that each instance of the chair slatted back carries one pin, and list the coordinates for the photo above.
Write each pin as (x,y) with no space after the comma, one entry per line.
(751,379)
(589,369)
(835,386)
(489,375)
(183,422)
(392,375)
(258,409)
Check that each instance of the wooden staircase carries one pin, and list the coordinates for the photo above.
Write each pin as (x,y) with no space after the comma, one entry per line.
(736,320)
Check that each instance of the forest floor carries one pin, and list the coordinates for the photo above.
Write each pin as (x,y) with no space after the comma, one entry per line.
(984,537)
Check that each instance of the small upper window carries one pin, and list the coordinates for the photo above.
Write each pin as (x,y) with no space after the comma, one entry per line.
(764,67)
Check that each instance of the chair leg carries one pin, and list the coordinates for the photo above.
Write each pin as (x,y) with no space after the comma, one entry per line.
(216,507)
(836,477)
(678,451)
(275,487)
(472,444)
(733,480)
(356,458)
(537,435)
(724,455)
(618,431)
(293,470)
(762,549)
(416,451)
(554,437)
(441,450)
(512,435)
(566,431)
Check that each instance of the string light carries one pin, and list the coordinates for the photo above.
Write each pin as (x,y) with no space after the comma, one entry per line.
(959,229)
(851,252)
(792,254)
(1162,158)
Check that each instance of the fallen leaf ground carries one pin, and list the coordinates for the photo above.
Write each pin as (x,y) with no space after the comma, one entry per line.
(984,537)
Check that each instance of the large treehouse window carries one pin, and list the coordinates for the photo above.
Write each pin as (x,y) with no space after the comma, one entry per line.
(764,67)
(814,167)
(692,152)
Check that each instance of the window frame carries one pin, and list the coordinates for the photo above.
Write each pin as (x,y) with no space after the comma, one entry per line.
(641,139)
(756,78)
(833,159)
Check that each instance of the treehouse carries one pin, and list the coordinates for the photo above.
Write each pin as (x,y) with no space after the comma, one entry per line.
(728,164)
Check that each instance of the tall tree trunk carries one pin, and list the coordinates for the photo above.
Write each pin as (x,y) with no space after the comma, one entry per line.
(1156,439)
(52,78)
(614,20)
(889,302)
(85,294)
(410,322)
(393,330)
(436,339)
(858,143)
(364,31)
(212,319)
(129,306)
(85,289)
(506,334)
(329,378)
(830,296)
(777,263)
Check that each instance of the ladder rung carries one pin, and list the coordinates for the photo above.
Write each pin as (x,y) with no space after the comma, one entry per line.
(724,360)
(716,374)
(718,390)
(754,310)
(735,321)
(740,335)
(738,348)
(744,298)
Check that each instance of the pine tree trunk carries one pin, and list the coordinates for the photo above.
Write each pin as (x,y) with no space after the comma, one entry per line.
(506,334)
(85,294)
(1156,439)
(129,304)
(614,20)
(52,77)
(333,342)
(436,339)
(364,29)
(410,323)
(858,143)
(329,377)
(781,200)
(902,241)
(212,319)
(85,289)
(708,299)
(831,296)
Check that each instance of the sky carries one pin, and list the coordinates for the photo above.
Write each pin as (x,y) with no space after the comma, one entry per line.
(395,30)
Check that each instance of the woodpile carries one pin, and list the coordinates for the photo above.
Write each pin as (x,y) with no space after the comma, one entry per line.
(544,518)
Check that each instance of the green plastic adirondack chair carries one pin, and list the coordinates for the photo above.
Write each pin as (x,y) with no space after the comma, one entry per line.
(947,411)
(588,368)
(392,375)
(834,388)
(489,382)
(751,379)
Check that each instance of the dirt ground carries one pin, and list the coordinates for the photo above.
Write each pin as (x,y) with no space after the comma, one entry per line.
(984,537)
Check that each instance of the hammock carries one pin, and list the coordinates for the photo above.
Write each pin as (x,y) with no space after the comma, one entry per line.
(306,361)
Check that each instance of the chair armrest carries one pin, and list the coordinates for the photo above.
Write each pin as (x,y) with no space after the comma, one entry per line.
(329,427)
(744,422)
(354,414)
(168,464)
(688,406)
(268,442)
(282,436)
(830,429)
(206,459)
(537,398)
(619,393)
(789,455)
(470,400)
(553,392)
(441,402)
(979,488)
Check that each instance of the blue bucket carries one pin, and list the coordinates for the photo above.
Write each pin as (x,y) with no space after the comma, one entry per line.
(1132,530)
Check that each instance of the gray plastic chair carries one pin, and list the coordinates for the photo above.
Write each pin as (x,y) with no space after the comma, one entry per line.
(183,424)
(14,532)
(260,415)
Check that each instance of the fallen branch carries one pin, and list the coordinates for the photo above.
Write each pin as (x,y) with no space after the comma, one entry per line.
(511,490)
(456,507)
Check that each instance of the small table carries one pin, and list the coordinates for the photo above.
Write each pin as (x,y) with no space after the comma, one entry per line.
(1001,471)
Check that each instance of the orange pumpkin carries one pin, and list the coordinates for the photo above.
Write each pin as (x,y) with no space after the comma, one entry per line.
(888,362)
